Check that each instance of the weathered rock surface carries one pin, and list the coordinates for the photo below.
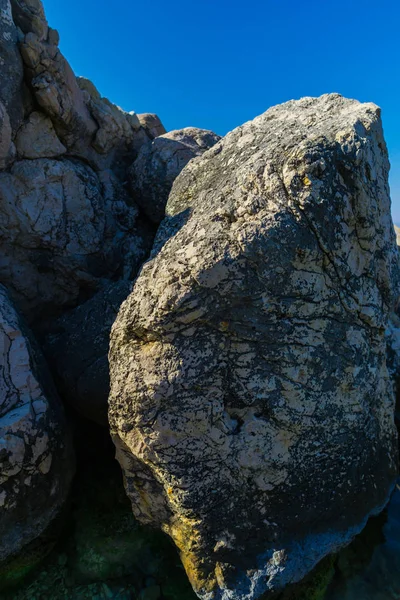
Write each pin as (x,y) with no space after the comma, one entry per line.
(29,17)
(117,128)
(393,341)
(64,230)
(57,92)
(11,69)
(250,400)
(159,163)
(77,351)
(88,126)
(37,138)
(7,148)
(397,232)
(152,125)
(68,224)
(36,463)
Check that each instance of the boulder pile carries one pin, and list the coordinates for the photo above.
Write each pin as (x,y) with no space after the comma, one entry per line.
(229,302)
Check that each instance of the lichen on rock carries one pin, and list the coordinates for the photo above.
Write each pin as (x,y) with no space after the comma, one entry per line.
(250,400)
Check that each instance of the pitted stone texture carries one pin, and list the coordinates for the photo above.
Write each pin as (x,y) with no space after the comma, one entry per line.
(36,462)
(11,69)
(159,163)
(64,230)
(250,400)
(38,139)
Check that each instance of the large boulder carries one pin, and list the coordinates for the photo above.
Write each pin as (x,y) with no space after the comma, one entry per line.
(160,161)
(118,130)
(397,232)
(250,400)
(29,17)
(36,462)
(64,231)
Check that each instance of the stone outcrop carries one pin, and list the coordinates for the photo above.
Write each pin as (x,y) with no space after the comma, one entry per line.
(11,69)
(250,400)
(68,224)
(37,138)
(64,230)
(36,461)
(159,163)
(72,240)
(152,125)
(88,126)
(397,232)
(393,342)
(7,148)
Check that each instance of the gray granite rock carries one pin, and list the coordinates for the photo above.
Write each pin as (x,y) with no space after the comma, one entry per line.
(37,138)
(36,461)
(160,161)
(56,91)
(250,402)
(11,68)
(117,128)
(64,231)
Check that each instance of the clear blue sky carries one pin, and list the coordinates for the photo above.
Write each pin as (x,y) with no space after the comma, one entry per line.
(217,63)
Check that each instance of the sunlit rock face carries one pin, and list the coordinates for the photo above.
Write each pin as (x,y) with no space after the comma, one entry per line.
(250,400)
(36,461)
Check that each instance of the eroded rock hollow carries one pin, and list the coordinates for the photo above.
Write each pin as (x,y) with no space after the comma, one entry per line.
(250,401)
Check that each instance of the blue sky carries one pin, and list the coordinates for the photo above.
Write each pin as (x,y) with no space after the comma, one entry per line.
(217,63)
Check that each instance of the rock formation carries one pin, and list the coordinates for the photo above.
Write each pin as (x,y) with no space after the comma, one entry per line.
(159,163)
(250,400)
(11,69)
(393,342)
(67,224)
(64,230)
(250,405)
(68,229)
(36,461)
